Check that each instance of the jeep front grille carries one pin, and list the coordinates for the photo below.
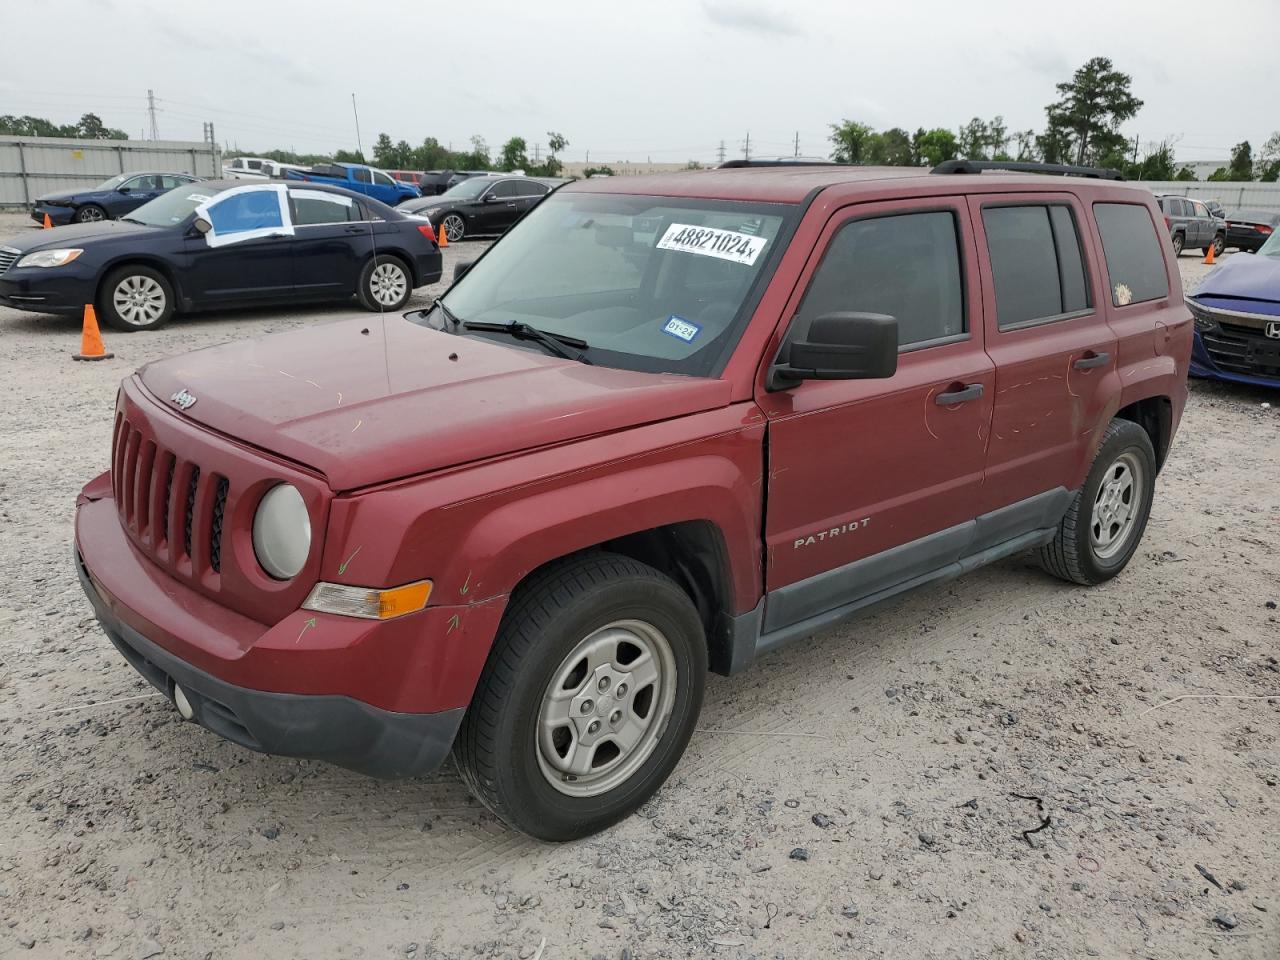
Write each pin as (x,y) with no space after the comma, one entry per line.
(173,509)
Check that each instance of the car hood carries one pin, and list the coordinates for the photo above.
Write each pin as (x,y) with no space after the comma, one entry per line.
(74,234)
(1245,277)
(374,399)
(63,195)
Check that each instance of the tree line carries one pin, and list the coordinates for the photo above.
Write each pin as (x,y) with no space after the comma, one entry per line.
(88,127)
(1082,127)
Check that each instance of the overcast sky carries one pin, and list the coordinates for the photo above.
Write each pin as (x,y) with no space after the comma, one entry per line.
(660,79)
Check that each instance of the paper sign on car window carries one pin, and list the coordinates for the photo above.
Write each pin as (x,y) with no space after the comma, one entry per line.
(712,242)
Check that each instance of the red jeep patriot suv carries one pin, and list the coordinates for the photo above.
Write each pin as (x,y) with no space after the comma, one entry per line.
(662,426)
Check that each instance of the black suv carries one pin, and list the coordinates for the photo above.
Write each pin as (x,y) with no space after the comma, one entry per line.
(1192,225)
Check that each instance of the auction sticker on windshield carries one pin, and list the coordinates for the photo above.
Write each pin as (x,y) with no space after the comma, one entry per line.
(713,242)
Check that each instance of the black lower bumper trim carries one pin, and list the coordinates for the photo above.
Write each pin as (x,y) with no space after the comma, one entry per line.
(336,729)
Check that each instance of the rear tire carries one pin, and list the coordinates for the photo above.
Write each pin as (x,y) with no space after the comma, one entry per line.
(385,284)
(1104,524)
(1219,244)
(562,692)
(1177,244)
(135,297)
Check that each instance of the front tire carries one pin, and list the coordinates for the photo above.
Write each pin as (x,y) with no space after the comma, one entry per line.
(385,284)
(455,228)
(588,698)
(90,213)
(135,297)
(1104,524)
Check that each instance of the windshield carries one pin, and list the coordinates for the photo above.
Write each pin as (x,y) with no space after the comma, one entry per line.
(114,181)
(172,207)
(467,189)
(650,283)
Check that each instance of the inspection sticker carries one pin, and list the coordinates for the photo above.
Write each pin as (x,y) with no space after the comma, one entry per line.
(712,242)
(681,328)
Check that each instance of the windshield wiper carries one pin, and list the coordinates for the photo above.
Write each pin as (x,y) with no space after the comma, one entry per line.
(555,342)
(448,314)
(131,220)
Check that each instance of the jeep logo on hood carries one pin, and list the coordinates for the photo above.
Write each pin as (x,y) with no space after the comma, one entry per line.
(184,400)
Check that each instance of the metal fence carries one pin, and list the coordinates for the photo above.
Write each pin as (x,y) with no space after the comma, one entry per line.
(30,166)
(1233,195)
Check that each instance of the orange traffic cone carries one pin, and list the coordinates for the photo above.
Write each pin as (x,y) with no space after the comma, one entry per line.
(443,240)
(91,345)
(1208,257)
(48,224)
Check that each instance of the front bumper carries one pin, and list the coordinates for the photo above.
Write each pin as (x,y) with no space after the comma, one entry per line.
(336,729)
(59,216)
(48,289)
(1235,356)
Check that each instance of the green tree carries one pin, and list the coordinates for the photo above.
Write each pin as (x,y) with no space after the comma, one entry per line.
(1267,167)
(1025,141)
(849,138)
(598,171)
(693,165)
(348,156)
(1156,165)
(972,140)
(1092,105)
(556,143)
(91,127)
(514,154)
(998,139)
(931,147)
(1186,175)
(1054,145)
(891,148)
(1241,166)
(382,151)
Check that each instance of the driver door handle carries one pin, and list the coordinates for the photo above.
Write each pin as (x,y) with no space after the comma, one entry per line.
(1091,360)
(968,391)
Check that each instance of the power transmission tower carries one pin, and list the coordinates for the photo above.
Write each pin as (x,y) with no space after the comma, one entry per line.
(720,152)
(151,111)
(536,147)
(210,139)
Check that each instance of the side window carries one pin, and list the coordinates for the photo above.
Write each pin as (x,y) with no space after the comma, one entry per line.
(140,183)
(1036,265)
(1199,208)
(1135,258)
(361,175)
(245,215)
(312,207)
(168,183)
(382,180)
(1184,208)
(532,188)
(506,189)
(906,265)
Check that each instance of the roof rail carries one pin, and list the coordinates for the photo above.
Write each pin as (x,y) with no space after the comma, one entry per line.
(778,162)
(1019,166)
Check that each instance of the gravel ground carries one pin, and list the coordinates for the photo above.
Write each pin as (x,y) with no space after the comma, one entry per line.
(861,793)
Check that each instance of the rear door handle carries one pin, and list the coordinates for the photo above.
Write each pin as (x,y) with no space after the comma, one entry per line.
(970,391)
(1091,360)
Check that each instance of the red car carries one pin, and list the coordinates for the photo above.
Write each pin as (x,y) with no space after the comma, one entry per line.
(664,425)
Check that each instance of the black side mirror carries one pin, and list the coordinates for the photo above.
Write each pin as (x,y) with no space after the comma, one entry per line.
(841,346)
(124,189)
(461,269)
(201,226)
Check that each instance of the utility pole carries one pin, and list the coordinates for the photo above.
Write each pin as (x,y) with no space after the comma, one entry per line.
(797,153)
(746,147)
(720,152)
(151,111)
(1135,148)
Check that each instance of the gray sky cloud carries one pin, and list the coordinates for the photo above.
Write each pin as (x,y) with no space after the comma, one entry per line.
(665,79)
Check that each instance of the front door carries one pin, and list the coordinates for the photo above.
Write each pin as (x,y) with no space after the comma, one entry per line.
(248,255)
(1054,352)
(873,484)
(498,208)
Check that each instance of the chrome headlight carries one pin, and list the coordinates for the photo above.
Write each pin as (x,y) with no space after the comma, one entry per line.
(282,532)
(49,258)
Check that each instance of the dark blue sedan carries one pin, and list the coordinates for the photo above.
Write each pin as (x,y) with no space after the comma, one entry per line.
(107,201)
(221,244)
(1237,314)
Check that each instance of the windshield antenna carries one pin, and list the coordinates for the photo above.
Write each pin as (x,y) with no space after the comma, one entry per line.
(373,240)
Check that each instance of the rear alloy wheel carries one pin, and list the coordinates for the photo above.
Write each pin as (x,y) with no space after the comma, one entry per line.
(384,284)
(588,699)
(1106,519)
(454,227)
(1177,244)
(90,213)
(137,298)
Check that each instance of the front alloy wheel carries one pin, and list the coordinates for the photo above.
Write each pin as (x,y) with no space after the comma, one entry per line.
(90,213)
(588,698)
(454,227)
(136,298)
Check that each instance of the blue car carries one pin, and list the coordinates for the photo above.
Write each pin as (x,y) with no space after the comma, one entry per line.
(107,201)
(1237,314)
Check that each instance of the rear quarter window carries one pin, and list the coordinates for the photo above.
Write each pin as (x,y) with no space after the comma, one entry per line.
(1132,247)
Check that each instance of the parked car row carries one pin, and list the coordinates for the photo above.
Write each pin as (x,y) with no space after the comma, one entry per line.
(358,177)
(482,205)
(224,243)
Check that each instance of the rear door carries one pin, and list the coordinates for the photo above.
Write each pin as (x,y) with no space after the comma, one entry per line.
(869,480)
(331,238)
(1203,222)
(1054,353)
